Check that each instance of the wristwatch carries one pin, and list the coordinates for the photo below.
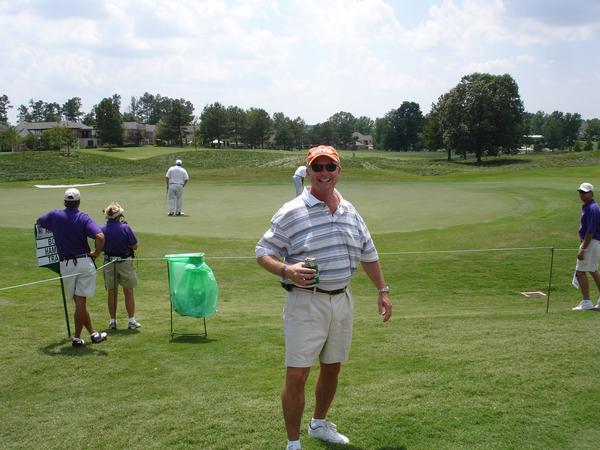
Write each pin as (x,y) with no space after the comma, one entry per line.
(384,290)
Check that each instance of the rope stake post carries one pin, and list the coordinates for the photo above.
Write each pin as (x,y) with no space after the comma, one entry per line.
(550,280)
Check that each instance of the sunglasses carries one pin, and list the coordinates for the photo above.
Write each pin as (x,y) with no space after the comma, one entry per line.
(319,167)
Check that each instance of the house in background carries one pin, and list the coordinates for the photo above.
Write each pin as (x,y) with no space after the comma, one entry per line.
(139,133)
(362,141)
(83,133)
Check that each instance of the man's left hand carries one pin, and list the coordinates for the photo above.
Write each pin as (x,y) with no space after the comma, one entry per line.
(384,304)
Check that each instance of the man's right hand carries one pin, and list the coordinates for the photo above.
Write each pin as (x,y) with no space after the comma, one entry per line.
(300,275)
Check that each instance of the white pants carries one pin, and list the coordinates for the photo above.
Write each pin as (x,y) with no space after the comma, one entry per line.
(175,198)
(298,185)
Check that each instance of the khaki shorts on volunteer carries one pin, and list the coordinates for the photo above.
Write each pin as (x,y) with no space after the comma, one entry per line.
(317,325)
(591,256)
(80,278)
(124,271)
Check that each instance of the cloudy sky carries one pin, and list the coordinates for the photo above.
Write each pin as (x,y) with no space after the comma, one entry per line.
(307,58)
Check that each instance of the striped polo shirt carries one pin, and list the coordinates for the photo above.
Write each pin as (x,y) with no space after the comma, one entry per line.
(305,227)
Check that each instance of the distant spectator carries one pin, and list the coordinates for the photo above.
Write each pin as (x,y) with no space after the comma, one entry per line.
(298,178)
(176,178)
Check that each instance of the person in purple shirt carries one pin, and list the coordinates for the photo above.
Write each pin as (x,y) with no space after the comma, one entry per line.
(71,229)
(588,255)
(119,269)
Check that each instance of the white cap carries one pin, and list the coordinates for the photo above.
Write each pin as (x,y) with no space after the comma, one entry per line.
(178,162)
(72,194)
(586,187)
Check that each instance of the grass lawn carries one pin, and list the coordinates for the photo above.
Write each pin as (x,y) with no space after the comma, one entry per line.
(466,361)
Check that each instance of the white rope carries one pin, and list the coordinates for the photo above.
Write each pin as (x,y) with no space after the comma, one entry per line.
(506,249)
(48,279)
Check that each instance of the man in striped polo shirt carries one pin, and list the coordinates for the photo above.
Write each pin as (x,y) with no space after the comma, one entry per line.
(318,314)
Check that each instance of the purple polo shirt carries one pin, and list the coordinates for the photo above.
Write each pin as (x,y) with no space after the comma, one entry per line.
(71,228)
(590,220)
(119,238)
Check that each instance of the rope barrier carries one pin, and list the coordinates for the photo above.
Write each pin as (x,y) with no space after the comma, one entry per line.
(505,249)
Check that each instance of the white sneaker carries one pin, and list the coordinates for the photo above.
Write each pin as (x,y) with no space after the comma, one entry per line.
(98,337)
(133,324)
(583,305)
(328,433)
(112,325)
(77,342)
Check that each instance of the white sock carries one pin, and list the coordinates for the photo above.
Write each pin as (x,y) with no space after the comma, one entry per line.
(113,321)
(132,319)
(294,445)
(316,423)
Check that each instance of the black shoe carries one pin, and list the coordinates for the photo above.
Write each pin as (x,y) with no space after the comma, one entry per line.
(77,342)
(170,214)
(98,337)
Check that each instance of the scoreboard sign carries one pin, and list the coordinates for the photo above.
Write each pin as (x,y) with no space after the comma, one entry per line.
(45,248)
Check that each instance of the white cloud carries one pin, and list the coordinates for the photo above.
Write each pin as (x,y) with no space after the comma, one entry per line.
(306,58)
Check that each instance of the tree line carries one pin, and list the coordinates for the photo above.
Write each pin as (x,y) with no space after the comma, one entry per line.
(482,115)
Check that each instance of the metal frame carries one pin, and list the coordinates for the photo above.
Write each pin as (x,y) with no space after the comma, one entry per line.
(173,333)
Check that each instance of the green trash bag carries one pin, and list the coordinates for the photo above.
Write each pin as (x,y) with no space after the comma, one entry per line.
(192,285)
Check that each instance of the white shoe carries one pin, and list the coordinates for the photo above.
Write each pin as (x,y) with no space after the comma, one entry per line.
(98,337)
(583,305)
(328,433)
(133,324)
(112,325)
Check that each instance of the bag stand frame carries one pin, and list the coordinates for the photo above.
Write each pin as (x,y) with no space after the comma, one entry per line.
(173,333)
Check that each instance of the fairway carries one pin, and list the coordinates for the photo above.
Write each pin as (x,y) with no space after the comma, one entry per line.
(466,362)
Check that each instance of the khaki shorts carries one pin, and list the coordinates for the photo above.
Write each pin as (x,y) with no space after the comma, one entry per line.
(125,272)
(591,256)
(317,325)
(80,278)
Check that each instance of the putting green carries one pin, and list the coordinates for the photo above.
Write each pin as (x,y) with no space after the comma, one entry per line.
(243,211)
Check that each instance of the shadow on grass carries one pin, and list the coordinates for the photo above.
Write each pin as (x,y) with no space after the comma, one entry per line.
(191,339)
(353,447)
(64,348)
(494,162)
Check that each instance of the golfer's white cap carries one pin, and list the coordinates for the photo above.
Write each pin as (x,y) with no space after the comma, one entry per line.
(72,194)
(586,187)
(178,162)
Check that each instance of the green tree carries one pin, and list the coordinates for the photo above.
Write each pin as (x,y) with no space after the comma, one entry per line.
(4,107)
(364,125)
(72,109)
(571,127)
(554,130)
(344,124)
(213,123)
(9,140)
(52,112)
(482,113)
(283,128)
(299,132)
(178,115)
(108,122)
(23,114)
(431,134)
(403,127)
(36,110)
(235,119)
(592,132)
(258,127)
(58,138)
